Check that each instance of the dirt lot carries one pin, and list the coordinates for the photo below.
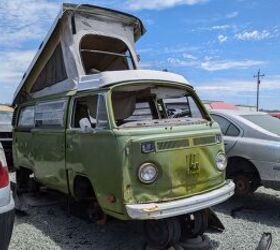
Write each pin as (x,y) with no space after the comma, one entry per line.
(48,227)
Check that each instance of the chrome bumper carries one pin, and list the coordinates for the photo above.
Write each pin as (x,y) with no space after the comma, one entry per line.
(182,206)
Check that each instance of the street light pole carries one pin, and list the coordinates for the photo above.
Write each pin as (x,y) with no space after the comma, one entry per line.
(258,76)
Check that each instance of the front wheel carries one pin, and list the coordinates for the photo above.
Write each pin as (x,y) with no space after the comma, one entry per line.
(245,185)
(163,233)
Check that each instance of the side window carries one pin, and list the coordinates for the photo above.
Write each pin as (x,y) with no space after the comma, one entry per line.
(195,111)
(227,127)
(232,130)
(224,123)
(53,72)
(26,117)
(50,114)
(91,109)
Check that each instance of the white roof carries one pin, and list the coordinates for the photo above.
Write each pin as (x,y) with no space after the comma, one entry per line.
(113,77)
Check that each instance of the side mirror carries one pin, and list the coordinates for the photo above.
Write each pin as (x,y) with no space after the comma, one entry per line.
(85,125)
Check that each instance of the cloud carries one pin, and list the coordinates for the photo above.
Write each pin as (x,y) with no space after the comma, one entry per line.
(220,27)
(160,4)
(13,65)
(232,15)
(254,35)
(239,86)
(25,20)
(229,64)
(189,56)
(176,62)
(222,38)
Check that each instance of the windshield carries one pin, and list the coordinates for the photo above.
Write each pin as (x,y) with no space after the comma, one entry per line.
(267,122)
(149,105)
(6,117)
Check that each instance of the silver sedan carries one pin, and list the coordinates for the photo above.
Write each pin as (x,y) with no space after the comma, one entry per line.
(252,144)
(6,203)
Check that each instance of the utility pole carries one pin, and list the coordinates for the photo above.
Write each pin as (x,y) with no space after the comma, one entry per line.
(258,76)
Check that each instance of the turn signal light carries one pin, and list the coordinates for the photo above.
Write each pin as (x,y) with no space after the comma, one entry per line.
(4,176)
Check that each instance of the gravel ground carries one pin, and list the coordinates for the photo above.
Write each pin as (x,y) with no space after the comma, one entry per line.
(48,227)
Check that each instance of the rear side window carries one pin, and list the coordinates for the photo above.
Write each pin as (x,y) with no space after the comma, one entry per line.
(228,128)
(53,72)
(50,114)
(26,117)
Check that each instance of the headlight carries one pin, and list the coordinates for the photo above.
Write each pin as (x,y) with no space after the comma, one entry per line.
(148,147)
(221,161)
(147,173)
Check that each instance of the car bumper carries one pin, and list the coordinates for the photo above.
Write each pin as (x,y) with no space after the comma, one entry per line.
(182,206)
(9,205)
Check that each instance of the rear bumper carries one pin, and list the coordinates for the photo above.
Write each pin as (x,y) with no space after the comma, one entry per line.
(9,206)
(182,206)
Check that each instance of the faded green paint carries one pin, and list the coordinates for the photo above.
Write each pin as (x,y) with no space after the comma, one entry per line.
(110,158)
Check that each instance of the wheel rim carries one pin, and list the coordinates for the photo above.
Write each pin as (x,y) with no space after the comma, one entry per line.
(242,185)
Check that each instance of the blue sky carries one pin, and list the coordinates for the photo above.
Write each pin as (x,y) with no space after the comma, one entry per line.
(218,45)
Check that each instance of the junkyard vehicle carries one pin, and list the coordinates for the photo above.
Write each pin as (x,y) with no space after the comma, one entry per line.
(6,204)
(275,114)
(88,126)
(6,137)
(252,143)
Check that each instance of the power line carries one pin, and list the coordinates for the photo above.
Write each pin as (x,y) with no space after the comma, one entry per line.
(258,76)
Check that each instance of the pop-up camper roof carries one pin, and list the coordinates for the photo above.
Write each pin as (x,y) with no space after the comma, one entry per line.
(83,40)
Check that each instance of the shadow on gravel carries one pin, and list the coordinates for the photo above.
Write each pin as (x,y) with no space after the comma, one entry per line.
(75,232)
(259,207)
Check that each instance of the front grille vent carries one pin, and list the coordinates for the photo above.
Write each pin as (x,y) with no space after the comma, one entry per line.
(205,140)
(173,144)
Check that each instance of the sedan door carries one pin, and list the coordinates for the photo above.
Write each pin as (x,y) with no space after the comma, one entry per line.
(230,131)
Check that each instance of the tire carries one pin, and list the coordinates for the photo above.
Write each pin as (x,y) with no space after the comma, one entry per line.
(162,234)
(198,243)
(6,228)
(245,177)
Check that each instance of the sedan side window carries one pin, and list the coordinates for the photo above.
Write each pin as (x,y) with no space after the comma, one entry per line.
(224,123)
(232,130)
(227,127)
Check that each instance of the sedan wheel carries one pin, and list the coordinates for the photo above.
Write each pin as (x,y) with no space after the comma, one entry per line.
(242,185)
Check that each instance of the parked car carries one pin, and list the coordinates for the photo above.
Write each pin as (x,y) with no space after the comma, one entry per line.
(6,204)
(275,114)
(98,130)
(6,137)
(252,144)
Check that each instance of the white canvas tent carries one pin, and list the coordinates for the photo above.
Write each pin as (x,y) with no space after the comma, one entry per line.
(83,40)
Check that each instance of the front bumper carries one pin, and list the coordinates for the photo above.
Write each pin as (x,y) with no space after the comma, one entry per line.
(182,206)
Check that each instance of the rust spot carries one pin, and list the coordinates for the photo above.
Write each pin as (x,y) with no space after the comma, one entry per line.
(111,198)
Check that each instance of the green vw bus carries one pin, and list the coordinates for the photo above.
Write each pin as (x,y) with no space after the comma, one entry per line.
(136,143)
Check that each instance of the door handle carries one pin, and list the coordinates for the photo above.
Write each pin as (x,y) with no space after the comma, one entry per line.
(69,146)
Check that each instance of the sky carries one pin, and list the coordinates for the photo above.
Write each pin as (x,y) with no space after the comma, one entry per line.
(217,45)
